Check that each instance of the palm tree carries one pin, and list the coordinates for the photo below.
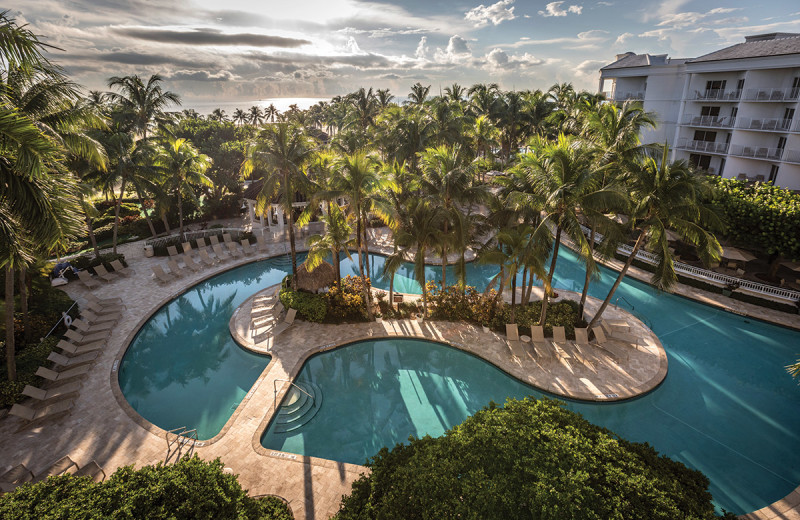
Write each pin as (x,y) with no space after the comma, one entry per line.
(141,103)
(219,115)
(384,98)
(455,92)
(271,112)
(666,195)
(334,241)
(483,99)
(239,116)
(418,93)
(364,108)
(184,168)
(278,154)
(256,115)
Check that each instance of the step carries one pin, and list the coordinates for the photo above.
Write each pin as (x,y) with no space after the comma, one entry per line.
(302,408)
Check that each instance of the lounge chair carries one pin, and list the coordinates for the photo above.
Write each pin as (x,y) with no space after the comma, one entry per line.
(560,345)
(207,260)
(247,248)
(190,263)
(201,244)
(581,336)
(234,251)
(69,362)
(262,244)
(94,319)
(221,254)
(175,269)
(599,336)
(52,393)
(104,309)
(62,466)
(52,375)
(172,250)
(213,240)
(73,349)
(539,344)
(512,338)
(161,275)
(117,266)
(104,301)
(187,248)
(287,321)
(100,270)
(82,339)
(559,335)
(92,470)
(19,474)
(86,328)
(87,280)
(226,237)
(35,416)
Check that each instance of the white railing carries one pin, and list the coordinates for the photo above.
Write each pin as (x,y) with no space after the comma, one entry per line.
(622,96)
(771,94)
(709,121)
(757,152)
(792,156)
(702,146)
(776,125)
(796,126)
(706,275)
(717,94)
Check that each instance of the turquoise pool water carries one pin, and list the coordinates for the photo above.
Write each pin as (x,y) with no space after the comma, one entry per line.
(727,407)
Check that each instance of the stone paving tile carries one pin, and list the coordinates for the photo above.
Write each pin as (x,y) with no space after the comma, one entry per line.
(102,426)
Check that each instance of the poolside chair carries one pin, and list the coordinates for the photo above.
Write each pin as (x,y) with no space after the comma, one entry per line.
(86,328)
(161,275)
(187,248)
(201,244)
(512,338)
(117,266)
(599,336)
(541,346)
(214,240)
(104,309)
(175,269)
(190,263)
(96,319)
(581,336)
(221,254)
(172,250)
(92,470)
(70,362)
(287,321)
(52,375)
(226,237)
(247,248)
(87,280)
(559,335)
(82,339)
(32,416)
(103,301)
(58,392)
(105,275)
(74,349)
(62,466)
(19,474)
(205,259)
(234,251)
(262,243)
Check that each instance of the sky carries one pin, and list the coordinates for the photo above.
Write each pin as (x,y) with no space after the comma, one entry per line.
(230,50)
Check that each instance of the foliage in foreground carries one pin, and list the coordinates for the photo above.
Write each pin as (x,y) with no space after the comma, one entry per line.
(189,489)
(529,459)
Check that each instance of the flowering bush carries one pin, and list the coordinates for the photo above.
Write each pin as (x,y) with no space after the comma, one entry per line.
(346,303)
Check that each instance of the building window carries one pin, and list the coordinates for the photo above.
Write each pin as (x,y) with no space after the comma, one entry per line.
(781,143)
(740,85)
(709,111)
(702,135)
(773,173)
(795,88)
(700,161)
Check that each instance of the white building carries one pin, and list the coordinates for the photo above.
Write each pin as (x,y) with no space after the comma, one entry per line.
(734,112)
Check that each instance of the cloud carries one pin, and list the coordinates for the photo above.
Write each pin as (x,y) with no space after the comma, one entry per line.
(622,38)
(691,18)
(495,14)
(583,40)
(498,59)
(590,67)
(554,9)
(422,49)
(605,4)
(457,51)
(206,36)
(200,75)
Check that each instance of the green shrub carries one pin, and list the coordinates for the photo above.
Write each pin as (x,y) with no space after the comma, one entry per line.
(310,307)
(528,459)
(28,359)
(347,303)
(189,489)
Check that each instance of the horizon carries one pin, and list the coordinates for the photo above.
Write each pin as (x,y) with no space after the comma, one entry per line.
(248,51)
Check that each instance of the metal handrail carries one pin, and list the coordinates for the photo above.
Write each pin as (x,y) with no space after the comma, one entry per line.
(625,300)
(182,434)
(706,275)
(275,392)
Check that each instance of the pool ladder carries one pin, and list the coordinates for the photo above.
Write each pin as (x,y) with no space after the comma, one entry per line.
(182,437)
(625,300)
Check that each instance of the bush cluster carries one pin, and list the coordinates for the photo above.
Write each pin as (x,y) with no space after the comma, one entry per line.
(190,488)
(346,303)
(310,307)
(28,359)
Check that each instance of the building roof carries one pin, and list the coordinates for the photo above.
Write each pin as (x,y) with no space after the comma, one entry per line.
(631,59)
(756,46)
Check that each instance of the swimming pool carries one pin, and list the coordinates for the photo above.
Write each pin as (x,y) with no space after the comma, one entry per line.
(727,406)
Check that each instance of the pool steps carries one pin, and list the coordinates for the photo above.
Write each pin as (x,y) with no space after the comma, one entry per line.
(292,416)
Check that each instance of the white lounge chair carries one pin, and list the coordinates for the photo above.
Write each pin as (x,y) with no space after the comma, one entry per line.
(247,248)
(190,263)
(69,362)
(73,349)
(234,250)
(52,375)
(117,266)
(62,466)
(172,250)
(79,338)
(32,416)
(94,319)
(221,254)
(105,275)
(87,328)
(205,259)
(175,269)
(87,280)
(287,321)
(512,338)
(262,244)
(104,301)
(93,470)
(58,392)
(161,276)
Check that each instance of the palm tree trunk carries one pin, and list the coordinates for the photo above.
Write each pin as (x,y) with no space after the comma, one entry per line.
(549,282)
(628,262)
(11,364)
(358,247)
(336,267)
(588,277)
(366,247)
(117,205)
(92,239)
(180,216)
(146,216)
(166,223)
(23,303)
(513,295)
(523,285)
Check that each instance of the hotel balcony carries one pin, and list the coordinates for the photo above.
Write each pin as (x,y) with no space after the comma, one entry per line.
(792,156)
(717,94)
(625,96)
(777,95)
(757,152)
(708,121)
(766,125)
(702,146)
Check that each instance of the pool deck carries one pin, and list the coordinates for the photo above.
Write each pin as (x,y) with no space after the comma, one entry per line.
(102,426)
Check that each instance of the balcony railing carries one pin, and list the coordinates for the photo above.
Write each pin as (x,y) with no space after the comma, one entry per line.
(772,125)
(624,96)
(702,146)
(796,126)
(757,152)
(792,156)
(771,94)
(709,121)
(717,94)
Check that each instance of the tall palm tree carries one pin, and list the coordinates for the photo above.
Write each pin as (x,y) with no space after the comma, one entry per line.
(455,92)
(335,240)
(666,195)
(384,98)
(218,115)
(364,108)
(278,154)
(418,93)
(256,115)
(185,168)
(141,102)
(239,116)
(483,99)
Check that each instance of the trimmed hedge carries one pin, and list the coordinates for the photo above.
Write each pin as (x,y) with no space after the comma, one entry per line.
(310,307)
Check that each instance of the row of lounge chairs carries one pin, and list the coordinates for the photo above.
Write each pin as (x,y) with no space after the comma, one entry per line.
(207,256)
(91,282)
(80,347)
(264,317)
(20,474)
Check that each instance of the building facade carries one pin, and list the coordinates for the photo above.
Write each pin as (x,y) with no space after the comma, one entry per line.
(734,112)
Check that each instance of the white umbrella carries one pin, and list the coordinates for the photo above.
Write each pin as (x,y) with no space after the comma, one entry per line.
(732,253)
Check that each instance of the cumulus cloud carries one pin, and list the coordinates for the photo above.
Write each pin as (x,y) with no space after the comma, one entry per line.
(495,14)
(457,51)
(498,59)
(352,46)
(422,49)
(590,67)
(555,9)
(206,36)
(201,75)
